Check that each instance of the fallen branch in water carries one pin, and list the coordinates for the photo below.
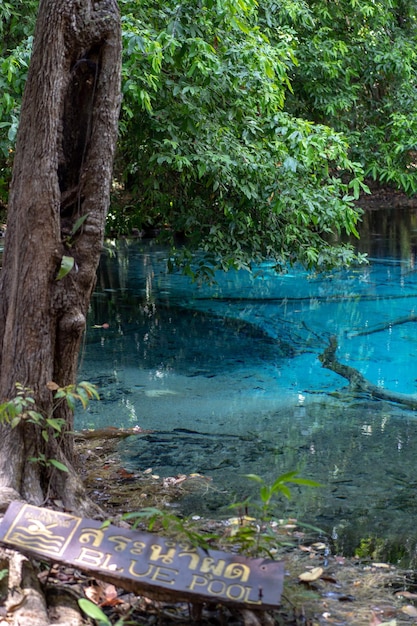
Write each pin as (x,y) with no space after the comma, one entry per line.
(381,327)
(359,382)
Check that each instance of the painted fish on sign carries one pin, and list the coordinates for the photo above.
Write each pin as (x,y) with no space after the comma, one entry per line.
(143,562)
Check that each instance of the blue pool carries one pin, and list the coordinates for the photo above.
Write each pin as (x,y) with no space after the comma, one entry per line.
(228,378)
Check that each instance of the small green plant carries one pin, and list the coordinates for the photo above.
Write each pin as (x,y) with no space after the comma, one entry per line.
(251,535)
(371,548)
(83,392)
(22,409)
(257,534)
(172,525)
(279,487)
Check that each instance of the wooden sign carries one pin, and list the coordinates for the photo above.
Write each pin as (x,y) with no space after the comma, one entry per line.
(143,563)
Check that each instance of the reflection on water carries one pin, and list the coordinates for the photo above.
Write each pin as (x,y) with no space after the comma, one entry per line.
(228,377)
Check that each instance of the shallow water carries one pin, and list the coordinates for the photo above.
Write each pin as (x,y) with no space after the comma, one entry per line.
(229,379)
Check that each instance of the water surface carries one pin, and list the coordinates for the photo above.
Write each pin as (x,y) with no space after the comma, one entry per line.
(229,379)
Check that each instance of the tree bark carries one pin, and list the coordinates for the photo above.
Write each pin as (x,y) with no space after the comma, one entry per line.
(61,179)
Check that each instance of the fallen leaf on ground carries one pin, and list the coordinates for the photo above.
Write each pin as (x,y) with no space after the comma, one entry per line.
(123,473)
(340,560)
(103,594)
(406,594)
(375,621)
(409,610)
(311,575)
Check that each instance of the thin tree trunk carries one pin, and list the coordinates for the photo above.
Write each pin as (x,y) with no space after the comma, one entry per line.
(61,178)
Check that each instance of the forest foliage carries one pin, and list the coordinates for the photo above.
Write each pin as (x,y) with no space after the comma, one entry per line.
(248,128)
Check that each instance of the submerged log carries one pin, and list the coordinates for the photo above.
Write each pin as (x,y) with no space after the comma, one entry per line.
(359,382)
(381,327)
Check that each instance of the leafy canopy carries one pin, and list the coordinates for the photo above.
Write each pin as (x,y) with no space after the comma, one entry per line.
(208,148)
(357,72)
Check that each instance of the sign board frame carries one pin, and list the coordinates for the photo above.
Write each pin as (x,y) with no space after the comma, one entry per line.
(144,563)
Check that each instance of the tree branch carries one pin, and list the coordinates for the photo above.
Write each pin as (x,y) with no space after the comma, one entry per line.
(359,382)
(381,327)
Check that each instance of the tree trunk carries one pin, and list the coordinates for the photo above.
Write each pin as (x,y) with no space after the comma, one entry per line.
(61,183)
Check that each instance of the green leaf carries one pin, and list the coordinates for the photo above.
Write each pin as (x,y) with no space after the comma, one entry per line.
(90,389)
(241,25)
(285,491)
(105,524)
(58,465)
(35,416)
(83,397)
(287,477)
(94,611)
(67,263)
(306,481)
(254,477)
(55,423)
(290,164)
(70,399)
(78,224)
(148,511)
(265,493)
(15,421)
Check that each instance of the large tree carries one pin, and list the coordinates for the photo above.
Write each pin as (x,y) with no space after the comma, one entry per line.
(57,209)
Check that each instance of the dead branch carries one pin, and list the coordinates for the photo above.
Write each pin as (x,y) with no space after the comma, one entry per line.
(381,327)
(359,382)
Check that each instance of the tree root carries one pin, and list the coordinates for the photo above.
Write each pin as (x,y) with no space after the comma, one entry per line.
(359,382)
(26,603)
(7,496)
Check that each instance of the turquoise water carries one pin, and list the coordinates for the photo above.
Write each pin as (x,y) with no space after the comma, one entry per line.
(228,378)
